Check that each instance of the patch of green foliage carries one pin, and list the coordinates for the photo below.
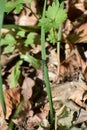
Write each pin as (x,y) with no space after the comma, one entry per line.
(12,42)
(54,17)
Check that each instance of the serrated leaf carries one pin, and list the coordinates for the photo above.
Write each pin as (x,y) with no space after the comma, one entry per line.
(21,33)
(15,74)
(60,17)
(30,39)
(52,11)
(8,40)
(55,16)
(30,59)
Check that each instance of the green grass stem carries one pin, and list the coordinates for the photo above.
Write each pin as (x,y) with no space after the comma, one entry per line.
(46,76)
(2,9)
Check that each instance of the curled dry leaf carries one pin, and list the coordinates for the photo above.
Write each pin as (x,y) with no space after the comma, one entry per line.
(12,99)
(79,95)
(27,88)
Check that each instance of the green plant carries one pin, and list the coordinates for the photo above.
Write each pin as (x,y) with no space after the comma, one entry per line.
(2,9)
(12,43)
(43,50)
(51,25)
(50,22)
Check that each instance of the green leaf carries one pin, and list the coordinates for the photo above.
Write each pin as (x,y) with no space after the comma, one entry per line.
(46,22)
(15,74)
(12,5)
(54,17)
(21,33)
(8,40)
(30,39)
(35,63)
(52,11)
(19,8)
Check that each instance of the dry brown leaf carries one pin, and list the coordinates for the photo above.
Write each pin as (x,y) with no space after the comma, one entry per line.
(80,6)
(83,35)
(25,17)
(78,95)
(27,88)
(12,99)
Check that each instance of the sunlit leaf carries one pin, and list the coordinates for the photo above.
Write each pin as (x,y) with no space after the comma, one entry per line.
(30,59)
(55,15)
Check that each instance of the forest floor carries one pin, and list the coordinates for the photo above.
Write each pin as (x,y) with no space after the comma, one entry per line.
(68,86)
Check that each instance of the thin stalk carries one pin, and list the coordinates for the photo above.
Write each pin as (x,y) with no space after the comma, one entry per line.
(46,76)
(2,9)
(58,47)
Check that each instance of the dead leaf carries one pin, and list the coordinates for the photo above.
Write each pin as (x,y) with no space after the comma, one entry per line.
(78,95)
(5,59)
(27,88)
(26,17)
(82,117)
(83,35)
(12,99)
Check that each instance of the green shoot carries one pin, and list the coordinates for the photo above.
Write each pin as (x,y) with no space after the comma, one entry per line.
(46,76)
(2,9)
